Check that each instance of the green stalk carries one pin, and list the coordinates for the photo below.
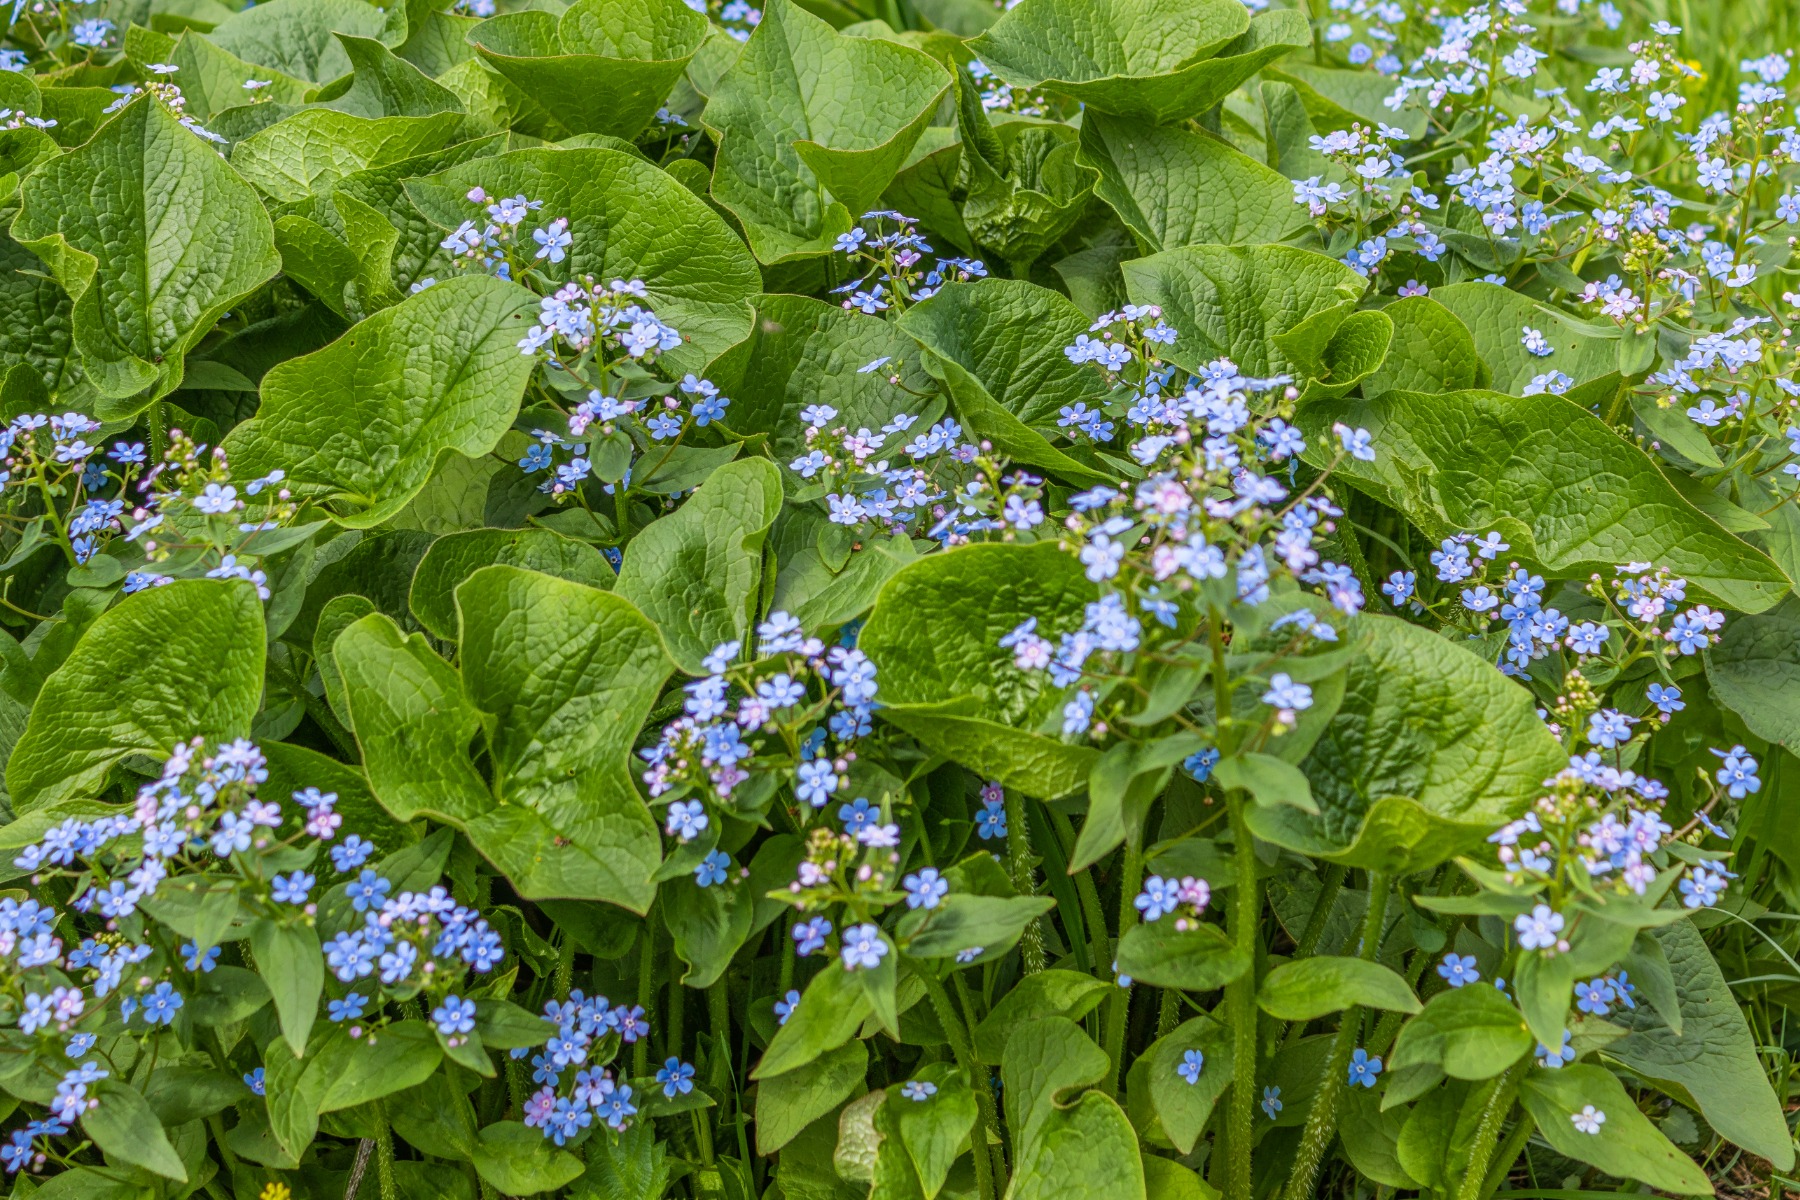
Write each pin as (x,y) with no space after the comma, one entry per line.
(646,990)
(1321,1122)
(1509,1152)
(1091,910)
(1487,1133)
(976,1074)
(1240,1002)
(1118,1004)
(384,1154)
(1024,877)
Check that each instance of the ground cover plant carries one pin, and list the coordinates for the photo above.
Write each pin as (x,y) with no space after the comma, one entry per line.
(1096,599)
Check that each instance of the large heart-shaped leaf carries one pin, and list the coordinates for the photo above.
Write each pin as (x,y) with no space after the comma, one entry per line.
(361,424)
(155,238)
(1755,672)
(1431,351)
(639,47)
(997,346)
(935,638)
(811,127)
(1153,60)
(1430,751)
(1564,489)
(1498,317)
(1084,1149)
(696,571)
(165,665)
(1272,310)
(560,676)
(313,149)
(629,221)
(1175,187)
(296,36)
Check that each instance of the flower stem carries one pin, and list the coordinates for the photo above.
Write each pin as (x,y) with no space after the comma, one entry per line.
(1240,1002)
(1024,877)
(1321,1122)
(1487,1133)
(978,1078)
(384,1154)
(1118,1004)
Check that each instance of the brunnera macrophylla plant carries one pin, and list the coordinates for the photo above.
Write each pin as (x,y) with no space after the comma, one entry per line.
(905,599)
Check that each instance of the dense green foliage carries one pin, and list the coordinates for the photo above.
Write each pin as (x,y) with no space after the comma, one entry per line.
(1065,600)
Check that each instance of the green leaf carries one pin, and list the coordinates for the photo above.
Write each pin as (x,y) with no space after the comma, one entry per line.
(566,675)
(934,636)
(804,352)
(1496,317)
(629,1165)
(155,238)
(811,126)
(313,149)
(165,665)
(1713,1060)
(1269,779)
(1084,1149)
(289,960)
(1565,490)
(1272,310)
(1431,750)
(933,1130)
(521,1162)
(35,336)
(997,346)
(386,85)
(628,221)
(361,424)
(963,922)
(296,36)
(696,571)
(1198,960)
(1153,60)
(1175,187)
(831,1010)
(1755,672)
(1308,988)
(640,47)
(1627,1144)
(1335,98)
(1431,351)
(454,557)
(1470,1032)
(708,926)
(1051,993)
(212,78)
(124,1127)
(788,1103)
(1182,1108)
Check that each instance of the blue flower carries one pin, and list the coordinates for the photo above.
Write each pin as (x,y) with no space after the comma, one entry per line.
(918,1090)
(1738,773)
(1158,897)
(1458,971)
(1555,1058)
(368,891)
(857,815)
(712,869)
(810,936)
(862,947)
(1192,1063)
(676,1077)
(925,889)
(347,1009)
(1363,1069)
(816,781)
(537,457)
(454,1016)
(1200,766)
(254,1081)
(196,959)
(1667,699)
(1271,1101)
(1594,996)
(991,821)
(351,854)
(784,1007)
(292,888)
(161,1005)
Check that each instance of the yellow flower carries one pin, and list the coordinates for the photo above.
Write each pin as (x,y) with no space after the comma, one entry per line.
(276,1191)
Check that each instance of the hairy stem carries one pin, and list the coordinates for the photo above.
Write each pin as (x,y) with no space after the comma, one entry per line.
(1024,877)
(1321,1122)
(384,1154)
(1508,1154)
(977,1076)
(1118,1005)
(1240,1003)
(1487,1133)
